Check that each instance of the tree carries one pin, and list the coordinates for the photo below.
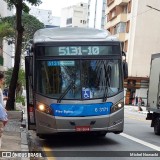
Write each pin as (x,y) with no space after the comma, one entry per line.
(6,30)
(29,22)
(20,6)
(20,82)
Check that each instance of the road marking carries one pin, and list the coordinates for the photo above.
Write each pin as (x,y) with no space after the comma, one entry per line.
(141,142)
(48,153)
(139,119)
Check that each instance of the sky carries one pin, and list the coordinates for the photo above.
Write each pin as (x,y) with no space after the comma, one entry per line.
(57,5)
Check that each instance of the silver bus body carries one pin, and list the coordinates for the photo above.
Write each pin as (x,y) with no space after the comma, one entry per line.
(112,121)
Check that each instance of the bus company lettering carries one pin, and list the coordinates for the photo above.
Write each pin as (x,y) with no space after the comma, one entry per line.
(63,111)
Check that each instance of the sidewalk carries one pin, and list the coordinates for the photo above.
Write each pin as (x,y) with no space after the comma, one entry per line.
(14,137)
(135,109)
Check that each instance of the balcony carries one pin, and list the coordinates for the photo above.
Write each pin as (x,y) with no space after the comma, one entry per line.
(120,18)
(122,2)
(117,3)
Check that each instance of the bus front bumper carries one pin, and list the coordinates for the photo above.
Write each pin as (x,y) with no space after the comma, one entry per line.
(47,124)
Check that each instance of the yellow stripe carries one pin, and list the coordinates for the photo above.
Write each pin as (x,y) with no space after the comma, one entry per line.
(48,152)
(139,119)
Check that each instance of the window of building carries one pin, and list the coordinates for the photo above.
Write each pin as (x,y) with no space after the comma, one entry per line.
(125,9)
(81,21)
(109,2)
(121,27)
(69,21)
(126,46)
(127,26)
(112,13)
(81,5)
(114,30)
(129,6)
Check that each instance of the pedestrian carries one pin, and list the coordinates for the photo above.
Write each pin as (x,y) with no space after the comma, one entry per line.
(3,113)
(2,97)
(139,104)
(136,100)
(3,121)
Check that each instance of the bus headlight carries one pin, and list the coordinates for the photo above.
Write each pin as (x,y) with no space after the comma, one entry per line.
(44,108)
(117,106)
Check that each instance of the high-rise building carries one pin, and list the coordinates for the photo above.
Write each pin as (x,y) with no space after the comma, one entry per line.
(96,13)
(137,26)
(74,16)
(45,16)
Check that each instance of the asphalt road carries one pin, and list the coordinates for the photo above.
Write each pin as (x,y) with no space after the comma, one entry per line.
(138,137)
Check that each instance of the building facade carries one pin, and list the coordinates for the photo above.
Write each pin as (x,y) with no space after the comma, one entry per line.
(45,16)
(96,13)
(137,26)
(7,51)
(74,16)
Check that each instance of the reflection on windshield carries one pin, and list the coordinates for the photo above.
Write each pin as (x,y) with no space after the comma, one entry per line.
(77,79)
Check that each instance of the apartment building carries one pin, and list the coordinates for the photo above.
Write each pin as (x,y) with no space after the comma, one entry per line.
(6,51)
(137,26)
(74,16)
(96,14)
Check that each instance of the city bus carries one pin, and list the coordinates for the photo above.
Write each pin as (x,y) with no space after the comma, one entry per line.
(74,82)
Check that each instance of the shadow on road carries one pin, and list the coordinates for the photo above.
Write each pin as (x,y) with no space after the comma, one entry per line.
(66,140)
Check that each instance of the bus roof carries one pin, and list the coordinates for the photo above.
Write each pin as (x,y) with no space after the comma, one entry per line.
(72,34)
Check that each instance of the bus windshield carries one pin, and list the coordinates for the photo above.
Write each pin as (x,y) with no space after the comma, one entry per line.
(78,79)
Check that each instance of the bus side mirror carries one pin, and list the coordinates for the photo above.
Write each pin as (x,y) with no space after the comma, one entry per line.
(125,69)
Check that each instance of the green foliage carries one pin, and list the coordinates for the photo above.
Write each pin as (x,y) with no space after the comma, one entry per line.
(8,75)
(21,78)
(6,30)
(20,6)
(30,23)
(12,3)
(20,99)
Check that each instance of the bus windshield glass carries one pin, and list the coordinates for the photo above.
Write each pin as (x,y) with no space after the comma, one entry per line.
(79,79)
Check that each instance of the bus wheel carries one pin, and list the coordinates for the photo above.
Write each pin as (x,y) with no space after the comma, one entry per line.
(157,126)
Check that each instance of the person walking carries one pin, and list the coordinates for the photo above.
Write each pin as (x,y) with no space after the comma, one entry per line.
(3,113)
(139,104)
(136,101)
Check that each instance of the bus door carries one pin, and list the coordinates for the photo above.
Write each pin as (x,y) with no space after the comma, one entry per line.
(29,92)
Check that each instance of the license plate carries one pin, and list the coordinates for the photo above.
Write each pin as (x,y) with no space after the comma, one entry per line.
(82,128)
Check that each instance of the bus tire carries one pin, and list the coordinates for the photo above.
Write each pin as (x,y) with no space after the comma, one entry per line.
(157,126)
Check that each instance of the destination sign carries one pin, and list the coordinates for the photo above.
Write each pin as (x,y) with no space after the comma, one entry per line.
(90,50)
(78,50)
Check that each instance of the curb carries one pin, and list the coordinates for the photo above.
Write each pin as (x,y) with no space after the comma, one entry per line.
(24,133)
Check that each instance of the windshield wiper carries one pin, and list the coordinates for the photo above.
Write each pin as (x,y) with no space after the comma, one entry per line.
(66,91)
(107,77)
